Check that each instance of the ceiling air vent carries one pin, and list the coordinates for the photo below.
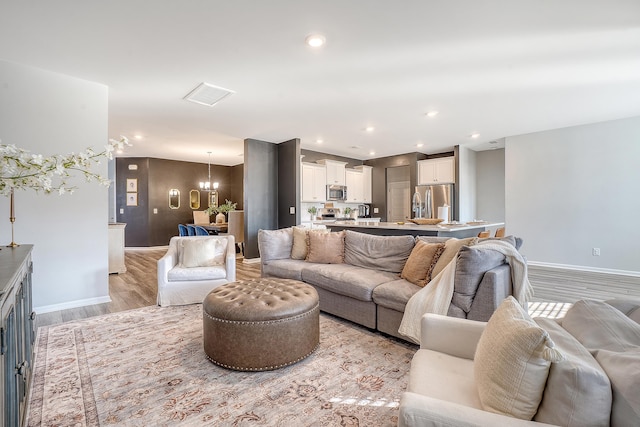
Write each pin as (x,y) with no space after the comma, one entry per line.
(208,94)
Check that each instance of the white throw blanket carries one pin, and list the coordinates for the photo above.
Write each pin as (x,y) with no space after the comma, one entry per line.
(436,296)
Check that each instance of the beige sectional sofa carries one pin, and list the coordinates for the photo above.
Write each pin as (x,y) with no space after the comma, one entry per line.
(367,289)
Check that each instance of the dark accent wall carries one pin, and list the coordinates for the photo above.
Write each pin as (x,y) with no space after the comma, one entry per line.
(379,177)
(288,183)
(155,178)
(260,192)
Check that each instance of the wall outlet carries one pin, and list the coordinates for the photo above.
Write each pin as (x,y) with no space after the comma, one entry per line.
(155,210)
(595,251)
(376,210)
(292,210)
(121,211)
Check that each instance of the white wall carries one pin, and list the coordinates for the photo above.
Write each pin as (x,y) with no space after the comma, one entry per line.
(573,189)
(490,185)
(467,184)
(50,113)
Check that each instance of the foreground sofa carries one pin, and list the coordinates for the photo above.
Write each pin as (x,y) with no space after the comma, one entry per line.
(366,287)
(596,385)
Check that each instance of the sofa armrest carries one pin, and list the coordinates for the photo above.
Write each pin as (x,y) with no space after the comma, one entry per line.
(417,410)
(450,335)
(230,259)
(166,263)
(494,287)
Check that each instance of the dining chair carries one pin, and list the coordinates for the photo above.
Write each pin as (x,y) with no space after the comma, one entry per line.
(235,227)
(484,234)
(183,230)
(192,229)
(500,232)
(201,231)
(201,218)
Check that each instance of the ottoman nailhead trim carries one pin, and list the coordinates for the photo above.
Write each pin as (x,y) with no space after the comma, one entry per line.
(265,368)
(263,322)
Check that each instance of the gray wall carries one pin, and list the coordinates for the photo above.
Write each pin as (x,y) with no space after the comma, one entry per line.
(288,183)
(260,192)
(490,185)
(570,190)
(50,113)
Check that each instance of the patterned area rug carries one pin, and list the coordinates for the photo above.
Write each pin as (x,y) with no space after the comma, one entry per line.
(147,367)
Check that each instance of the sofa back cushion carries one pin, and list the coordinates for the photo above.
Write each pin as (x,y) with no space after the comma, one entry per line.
(578,391)
(385,253)
(471,265)
(275,244)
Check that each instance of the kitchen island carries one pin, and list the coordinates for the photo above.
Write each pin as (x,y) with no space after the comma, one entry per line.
(395,229)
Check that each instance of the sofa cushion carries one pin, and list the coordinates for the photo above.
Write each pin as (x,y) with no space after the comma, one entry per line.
(284,268)
(471,265)
(598,325)
(275,244)
(180,274)
(451,248)
(386,253)
(299,248)
(326,248)
(205,252)
(629,307)
(395,294)
(578,391)
(511,362)
(614,340)
(422,259)
(345,279)
(509,239)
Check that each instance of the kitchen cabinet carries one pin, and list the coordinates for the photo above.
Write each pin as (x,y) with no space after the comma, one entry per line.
(314,183)
(335,171)
(366,183)
(17,333)
(354,183)
(436,171)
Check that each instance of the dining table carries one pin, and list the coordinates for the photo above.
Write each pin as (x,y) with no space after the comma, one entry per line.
(220,227)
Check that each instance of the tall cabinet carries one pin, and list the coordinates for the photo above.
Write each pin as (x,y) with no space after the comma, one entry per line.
(17,333)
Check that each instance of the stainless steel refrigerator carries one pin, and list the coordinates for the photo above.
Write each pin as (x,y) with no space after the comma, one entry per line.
(434,196)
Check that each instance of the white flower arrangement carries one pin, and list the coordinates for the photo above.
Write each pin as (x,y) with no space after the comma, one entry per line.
(19,169)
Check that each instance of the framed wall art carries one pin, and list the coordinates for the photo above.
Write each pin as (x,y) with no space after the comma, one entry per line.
(132,199)
(132,185)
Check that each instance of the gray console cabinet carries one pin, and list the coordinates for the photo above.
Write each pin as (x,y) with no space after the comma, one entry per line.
(17,333)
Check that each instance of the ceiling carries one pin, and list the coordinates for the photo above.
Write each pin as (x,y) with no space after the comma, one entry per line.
(495,68)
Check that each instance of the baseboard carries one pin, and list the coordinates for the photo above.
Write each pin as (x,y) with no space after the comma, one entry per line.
(251,261)
(585,269)
(146,248)
(71,304)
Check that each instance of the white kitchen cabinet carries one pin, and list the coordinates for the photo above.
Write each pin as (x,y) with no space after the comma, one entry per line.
(366,183)
(314,183)
(353,180)
(335,171)
(436,171)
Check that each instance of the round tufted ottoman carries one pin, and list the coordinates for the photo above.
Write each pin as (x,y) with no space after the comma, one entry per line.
(260,324)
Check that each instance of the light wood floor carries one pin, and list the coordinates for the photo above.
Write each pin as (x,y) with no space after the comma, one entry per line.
(136,288)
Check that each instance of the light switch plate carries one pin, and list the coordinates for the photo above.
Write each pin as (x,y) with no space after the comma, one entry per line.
(121,211)
(376,210)
(155,210)
(292,210)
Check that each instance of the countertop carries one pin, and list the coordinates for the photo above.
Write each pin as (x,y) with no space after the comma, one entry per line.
(394,229)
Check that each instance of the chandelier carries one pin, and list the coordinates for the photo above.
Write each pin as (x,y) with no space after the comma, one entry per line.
(208,186)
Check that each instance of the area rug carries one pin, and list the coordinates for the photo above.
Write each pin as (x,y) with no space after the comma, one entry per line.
(147,367)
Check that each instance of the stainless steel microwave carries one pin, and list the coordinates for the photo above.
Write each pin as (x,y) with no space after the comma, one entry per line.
(336,192)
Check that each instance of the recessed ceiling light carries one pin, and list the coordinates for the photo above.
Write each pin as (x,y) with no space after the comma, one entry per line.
(372,153)
(315,40)
(475,135)
(419,145)
(432,113)
(369,128)
(137,136)
(319,141)
(119,152)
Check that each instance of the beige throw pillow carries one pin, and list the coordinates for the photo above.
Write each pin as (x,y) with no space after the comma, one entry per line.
(299,247)
(512,362)
(422,259)
(326,248)
(451,248)
(204,252)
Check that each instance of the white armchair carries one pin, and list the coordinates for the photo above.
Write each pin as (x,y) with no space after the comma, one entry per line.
(187,281)
(441,389)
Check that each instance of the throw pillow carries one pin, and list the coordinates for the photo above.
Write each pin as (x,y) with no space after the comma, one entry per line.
(451,248)
(578,391)
(326,248)
(205,252)
(419,266)
(512,361)
(299,247)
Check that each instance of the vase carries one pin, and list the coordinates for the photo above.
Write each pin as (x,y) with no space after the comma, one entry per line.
(220,218)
